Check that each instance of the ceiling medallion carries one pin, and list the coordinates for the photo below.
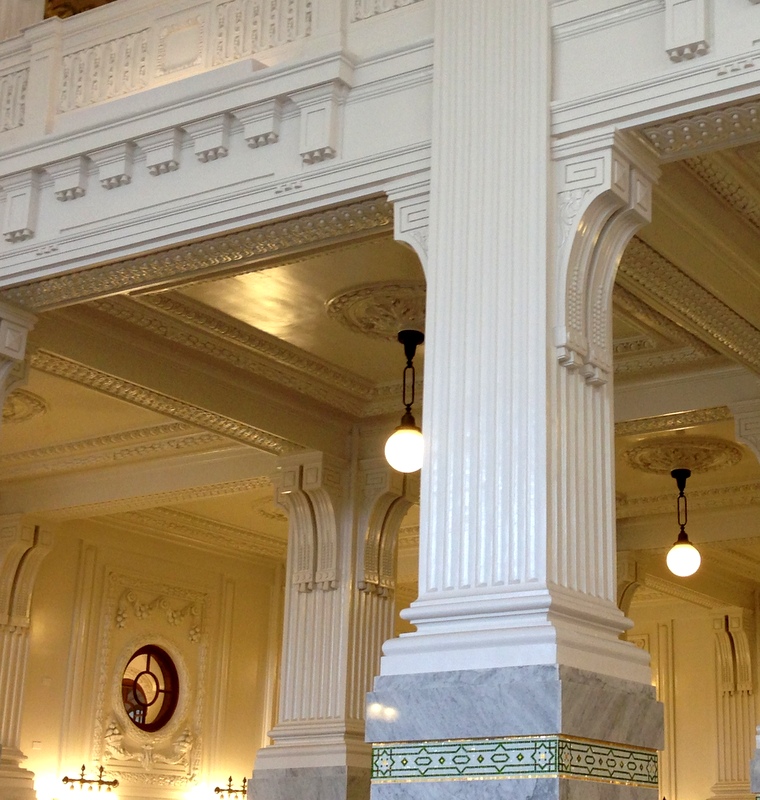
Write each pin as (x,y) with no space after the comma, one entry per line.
(381,309)
(699,454)
(21,406)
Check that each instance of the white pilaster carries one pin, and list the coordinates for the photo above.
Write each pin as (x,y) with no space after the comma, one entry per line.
(517,554)
(22,548)
(736,719)
(339,606)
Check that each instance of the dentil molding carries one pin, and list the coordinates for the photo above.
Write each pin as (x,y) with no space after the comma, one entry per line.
(699,454)
(234,252)
(726,127)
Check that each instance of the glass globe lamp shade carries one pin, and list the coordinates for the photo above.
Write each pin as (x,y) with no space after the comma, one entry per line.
(403,450)
(683,559)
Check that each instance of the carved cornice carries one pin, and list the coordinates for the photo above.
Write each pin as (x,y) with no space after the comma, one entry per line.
(712,173)
(237,252)
(726,127)
(149,501)
(650,276)
(380,309)
(672,422)
(158,441)
(21,406)
(672,589)
(746,494)
(160,403)
(214,333)
(699,454)
(196,531)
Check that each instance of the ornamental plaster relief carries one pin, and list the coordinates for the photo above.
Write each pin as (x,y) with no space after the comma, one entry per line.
(203,259)
(364,9)
(171,407)
(672,422)
(139,611)
(13,99)
(746,494)
(21,406)
(149,501)
(649,276)
(699,454)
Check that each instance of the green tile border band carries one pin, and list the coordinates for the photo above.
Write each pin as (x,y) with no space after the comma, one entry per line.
(514,757)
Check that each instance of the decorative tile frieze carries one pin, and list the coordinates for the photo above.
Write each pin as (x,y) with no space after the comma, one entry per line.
(206,258)
(514,757)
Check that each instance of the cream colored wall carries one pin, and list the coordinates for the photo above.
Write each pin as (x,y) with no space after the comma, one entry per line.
(75,636)
(682,641)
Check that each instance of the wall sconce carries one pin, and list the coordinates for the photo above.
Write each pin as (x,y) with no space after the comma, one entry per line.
(403,450)
(229,791)
(683,558)
(89,783)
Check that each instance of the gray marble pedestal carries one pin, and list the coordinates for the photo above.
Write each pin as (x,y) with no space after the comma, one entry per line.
(310,783)
(518,732)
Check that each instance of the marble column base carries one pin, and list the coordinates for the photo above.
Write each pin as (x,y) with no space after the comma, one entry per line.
(309,783)
(515,732)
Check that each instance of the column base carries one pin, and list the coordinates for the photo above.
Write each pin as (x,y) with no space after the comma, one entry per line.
(537,731)
(16,783)
(310,783)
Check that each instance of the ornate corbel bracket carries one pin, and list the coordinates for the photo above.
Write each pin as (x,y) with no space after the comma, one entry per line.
(311,488)
(386,497)
(69,178)
(15,325)
(411,216)
(686,26)
(604,196)
(261,122)
(114,165)
(162,151)
(320,108)
(211,137)
(22,194)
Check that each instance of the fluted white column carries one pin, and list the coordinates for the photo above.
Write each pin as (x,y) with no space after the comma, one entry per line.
(339,609)
(22,549)
(517,552)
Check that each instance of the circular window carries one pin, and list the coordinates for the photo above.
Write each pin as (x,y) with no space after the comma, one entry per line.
(150,688)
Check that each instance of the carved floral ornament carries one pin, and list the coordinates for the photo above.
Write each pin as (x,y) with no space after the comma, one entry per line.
(21,406)
(381,309)
(699,454)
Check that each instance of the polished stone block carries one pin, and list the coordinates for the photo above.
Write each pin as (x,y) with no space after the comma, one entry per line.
(513,701)
(310,783)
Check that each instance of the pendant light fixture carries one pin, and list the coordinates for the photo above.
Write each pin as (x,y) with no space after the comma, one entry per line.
(683,558)
(403,450)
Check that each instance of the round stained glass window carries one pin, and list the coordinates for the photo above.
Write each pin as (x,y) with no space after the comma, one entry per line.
(150,688)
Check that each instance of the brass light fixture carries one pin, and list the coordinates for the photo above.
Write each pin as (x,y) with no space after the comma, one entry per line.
(404,447)
(90,783)
(229,791)
(683,558)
